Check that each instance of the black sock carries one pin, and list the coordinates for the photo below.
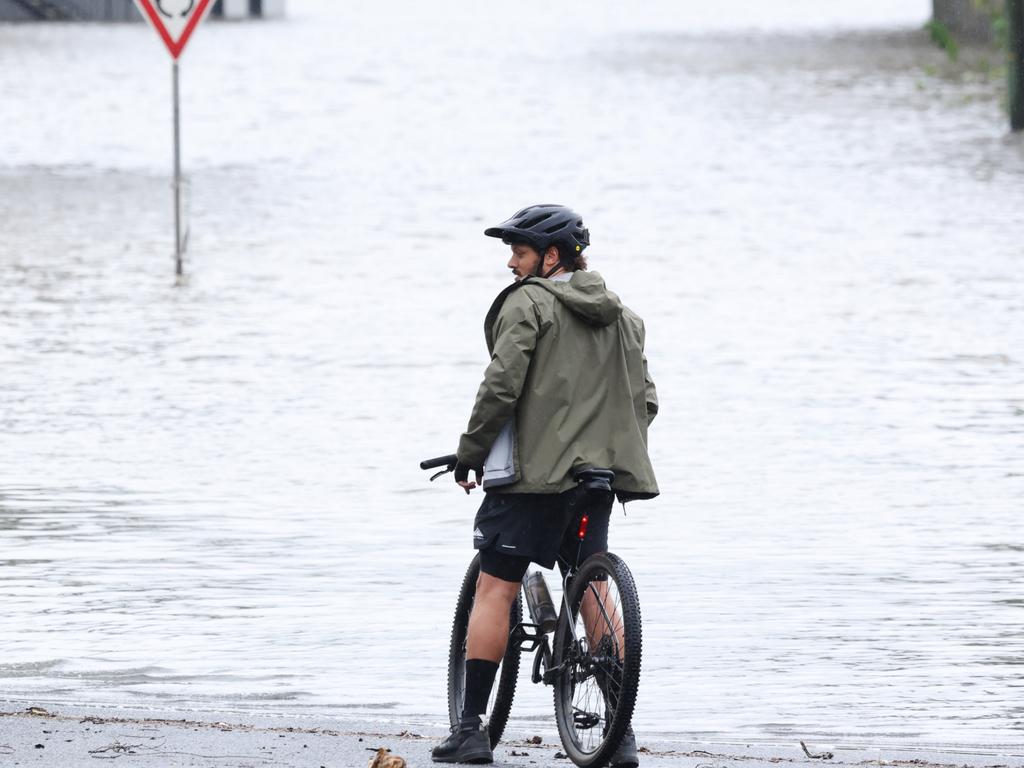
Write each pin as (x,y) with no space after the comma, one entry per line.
(479,681)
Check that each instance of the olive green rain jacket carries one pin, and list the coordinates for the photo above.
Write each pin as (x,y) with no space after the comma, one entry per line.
(567,388)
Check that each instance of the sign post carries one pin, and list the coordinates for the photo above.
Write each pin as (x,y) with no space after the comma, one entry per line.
(175,21)
(177,171)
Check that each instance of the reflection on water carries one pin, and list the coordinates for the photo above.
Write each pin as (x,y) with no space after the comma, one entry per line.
(209,495)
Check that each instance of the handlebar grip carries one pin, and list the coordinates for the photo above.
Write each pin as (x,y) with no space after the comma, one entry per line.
(440,461)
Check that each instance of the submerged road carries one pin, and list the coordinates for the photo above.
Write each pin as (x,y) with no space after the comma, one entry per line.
(210,494)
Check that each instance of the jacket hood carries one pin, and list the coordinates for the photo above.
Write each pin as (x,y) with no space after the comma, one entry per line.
(585,295)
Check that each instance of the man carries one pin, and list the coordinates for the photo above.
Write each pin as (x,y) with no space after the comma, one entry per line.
(567,388)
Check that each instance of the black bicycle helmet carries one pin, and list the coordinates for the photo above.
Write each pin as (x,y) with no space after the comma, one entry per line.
(541,226)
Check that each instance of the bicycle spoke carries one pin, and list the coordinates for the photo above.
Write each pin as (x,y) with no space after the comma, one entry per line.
(602,606)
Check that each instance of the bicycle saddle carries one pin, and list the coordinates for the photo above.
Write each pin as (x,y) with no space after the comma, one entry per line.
(594,479)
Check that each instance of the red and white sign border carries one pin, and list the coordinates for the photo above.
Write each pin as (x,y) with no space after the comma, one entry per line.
(175,47)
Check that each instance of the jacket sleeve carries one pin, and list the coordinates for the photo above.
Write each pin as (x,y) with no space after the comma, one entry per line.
(650,395)
(515,338)
(650,391)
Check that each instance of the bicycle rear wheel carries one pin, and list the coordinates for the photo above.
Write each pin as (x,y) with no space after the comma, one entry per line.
(597,650)
(500,703)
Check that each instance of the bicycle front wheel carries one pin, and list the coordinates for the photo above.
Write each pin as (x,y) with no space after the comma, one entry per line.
(500,703)
(597,654)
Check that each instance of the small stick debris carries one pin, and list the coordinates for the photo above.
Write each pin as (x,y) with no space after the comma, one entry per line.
(118,747)
(39,712)
(821,756)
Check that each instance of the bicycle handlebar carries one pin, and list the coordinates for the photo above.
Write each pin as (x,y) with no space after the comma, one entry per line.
(440,461)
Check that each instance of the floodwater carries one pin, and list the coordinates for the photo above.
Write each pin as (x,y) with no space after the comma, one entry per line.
(209,493)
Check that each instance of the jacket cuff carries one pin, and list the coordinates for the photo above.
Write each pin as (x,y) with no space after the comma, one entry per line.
(469,455)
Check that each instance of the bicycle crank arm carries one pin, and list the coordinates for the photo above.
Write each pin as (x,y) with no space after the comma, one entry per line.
(541,662)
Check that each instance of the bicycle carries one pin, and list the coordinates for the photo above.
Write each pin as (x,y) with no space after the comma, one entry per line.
(589,652)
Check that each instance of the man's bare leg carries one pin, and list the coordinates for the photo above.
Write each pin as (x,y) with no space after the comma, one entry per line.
(486,640)
(488,623)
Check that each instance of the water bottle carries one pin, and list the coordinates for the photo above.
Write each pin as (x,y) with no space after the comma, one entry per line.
(539,602)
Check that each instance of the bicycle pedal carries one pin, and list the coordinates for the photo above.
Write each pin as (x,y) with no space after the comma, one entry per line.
(526,637)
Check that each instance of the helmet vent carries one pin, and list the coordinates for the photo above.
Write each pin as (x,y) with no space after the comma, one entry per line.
(531,223)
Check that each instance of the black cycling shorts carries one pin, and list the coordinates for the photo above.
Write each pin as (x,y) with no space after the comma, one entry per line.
(511,530)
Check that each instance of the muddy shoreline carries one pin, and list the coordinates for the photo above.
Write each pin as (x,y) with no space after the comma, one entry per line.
(79,736)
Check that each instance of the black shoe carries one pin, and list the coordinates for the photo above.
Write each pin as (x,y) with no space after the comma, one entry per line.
(625,756)
(464,746)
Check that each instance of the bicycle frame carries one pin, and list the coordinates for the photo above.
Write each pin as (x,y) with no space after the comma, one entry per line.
(529,637)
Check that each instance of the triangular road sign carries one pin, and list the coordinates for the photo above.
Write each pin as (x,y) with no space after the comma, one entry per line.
(174,20)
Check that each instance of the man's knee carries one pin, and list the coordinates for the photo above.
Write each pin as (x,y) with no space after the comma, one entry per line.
(492,588)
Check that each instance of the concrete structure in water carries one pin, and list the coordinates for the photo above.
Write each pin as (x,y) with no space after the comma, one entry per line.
(971,21)
(124,10)
(968,22)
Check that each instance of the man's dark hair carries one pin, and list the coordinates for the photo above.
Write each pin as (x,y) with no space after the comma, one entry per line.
(569,258)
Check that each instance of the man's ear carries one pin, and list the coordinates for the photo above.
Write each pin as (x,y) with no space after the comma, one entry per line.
(551,255)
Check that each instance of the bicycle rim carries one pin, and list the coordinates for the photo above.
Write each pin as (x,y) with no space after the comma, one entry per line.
(595,692)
